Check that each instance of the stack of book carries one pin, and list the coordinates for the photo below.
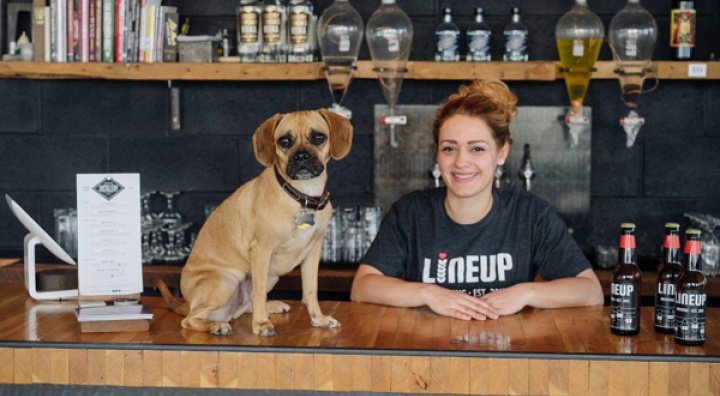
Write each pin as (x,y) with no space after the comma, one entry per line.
(104,31)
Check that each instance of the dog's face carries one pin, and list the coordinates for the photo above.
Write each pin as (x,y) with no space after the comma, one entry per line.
(301,143)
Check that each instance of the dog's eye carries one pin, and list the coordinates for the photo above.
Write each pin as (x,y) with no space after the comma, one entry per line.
(318,138)
(285,142)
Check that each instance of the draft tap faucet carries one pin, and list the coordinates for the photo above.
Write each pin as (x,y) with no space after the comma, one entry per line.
(527,171)
(435,173)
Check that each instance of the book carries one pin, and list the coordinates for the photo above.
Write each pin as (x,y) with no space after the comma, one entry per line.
(38,30)
(113,312)
(107,43)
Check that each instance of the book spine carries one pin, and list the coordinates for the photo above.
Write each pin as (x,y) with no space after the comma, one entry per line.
(108,30)
(38,30)
(92,28)
(120,31)
(169,46)
(84,30)
(62,29)
(48,34)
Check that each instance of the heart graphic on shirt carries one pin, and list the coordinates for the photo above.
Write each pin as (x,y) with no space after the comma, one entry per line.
(442,256)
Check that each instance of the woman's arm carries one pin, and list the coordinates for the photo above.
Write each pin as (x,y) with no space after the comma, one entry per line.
(370,285)
(582,290)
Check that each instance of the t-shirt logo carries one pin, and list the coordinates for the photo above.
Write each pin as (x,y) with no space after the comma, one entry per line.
(467,269)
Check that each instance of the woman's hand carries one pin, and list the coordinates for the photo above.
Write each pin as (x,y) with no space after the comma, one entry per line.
(457,304)
(509,300)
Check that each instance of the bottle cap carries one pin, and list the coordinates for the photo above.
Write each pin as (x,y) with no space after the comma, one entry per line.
(693,231)
(672,225)
(626,226)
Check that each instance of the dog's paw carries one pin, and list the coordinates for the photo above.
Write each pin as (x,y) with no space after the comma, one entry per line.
(277,307)
(221,328)
(264,329)
(324,321)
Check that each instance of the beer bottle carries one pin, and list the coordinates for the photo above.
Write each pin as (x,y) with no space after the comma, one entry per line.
(682,29)
(625,288)
(668,272)
(691,299)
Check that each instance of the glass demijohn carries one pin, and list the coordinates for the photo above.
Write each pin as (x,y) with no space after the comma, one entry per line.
(340,30)
(579,34)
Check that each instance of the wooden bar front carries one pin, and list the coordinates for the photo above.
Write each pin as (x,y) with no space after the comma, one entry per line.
(561,351)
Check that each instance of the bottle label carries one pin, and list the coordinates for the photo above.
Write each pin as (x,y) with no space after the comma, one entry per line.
(578,49)
(516,45)
(299,27)
(690,315)
(682,28)
(665,305)
(692,247)
(671,242)
(249,22)
(478,45)
(447,45)
(625,312)
(271,26)
(627,241)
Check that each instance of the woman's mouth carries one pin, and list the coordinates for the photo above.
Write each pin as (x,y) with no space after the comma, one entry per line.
(464,177)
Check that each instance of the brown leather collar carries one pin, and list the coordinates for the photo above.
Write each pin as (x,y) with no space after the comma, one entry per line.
(314,203)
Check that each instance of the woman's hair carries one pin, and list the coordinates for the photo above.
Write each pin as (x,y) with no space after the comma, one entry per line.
(488,100)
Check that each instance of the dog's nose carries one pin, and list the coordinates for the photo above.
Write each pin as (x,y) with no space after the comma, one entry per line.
(302,156)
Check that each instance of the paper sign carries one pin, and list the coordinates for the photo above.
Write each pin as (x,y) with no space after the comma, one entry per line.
(109,235)
(697,70)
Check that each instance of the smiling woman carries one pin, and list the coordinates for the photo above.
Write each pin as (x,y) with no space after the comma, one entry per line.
(467,250)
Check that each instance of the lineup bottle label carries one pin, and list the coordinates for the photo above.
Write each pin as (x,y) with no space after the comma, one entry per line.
(625,314)
(665,305)
(690,315)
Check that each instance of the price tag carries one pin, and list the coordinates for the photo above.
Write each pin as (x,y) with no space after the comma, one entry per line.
(697,70)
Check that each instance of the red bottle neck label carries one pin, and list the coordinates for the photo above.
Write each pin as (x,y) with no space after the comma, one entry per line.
(627,241)
(671,242)
(692,247)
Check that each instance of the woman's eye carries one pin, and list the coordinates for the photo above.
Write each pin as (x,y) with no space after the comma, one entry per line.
(448,149)
(478,149)
(284,142)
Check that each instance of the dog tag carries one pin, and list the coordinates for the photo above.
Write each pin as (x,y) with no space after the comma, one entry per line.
(304,219)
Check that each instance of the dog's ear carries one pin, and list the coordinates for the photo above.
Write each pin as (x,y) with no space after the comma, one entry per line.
(264,141)
(341,133)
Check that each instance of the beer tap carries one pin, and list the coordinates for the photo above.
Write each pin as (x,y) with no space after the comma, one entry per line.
(527,171)
(435,173)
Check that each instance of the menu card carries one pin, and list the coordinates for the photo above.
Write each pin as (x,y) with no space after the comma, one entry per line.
(109,236)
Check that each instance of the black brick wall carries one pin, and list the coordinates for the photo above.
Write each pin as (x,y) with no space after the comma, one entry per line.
(51,130)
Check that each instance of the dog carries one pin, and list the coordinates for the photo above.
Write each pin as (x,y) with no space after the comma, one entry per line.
(267,227)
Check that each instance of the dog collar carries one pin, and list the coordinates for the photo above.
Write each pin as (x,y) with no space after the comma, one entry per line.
(307,201)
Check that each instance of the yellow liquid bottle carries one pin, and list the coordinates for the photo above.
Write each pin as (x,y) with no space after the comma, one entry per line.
(577,59)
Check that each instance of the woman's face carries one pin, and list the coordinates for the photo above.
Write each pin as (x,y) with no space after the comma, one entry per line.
(468,155)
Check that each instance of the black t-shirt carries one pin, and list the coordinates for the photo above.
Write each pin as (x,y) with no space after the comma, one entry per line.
(522,236)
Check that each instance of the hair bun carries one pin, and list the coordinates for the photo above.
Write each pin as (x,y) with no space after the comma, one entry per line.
(496,92)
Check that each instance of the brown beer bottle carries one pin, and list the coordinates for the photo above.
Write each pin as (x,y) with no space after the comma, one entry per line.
(668,272)
(625,287)
(691,299)
(682,30)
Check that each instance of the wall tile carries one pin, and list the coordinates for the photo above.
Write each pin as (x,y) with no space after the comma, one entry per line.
(682,167)
(105,107)
(19,106)
(180,164)
(48,163)
(233,108)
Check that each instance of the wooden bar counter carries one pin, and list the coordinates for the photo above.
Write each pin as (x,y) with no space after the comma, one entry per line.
(561,351)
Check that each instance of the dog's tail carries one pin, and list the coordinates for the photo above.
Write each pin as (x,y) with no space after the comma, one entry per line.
(180,308)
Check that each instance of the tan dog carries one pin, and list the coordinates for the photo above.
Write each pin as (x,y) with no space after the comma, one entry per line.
(263,231)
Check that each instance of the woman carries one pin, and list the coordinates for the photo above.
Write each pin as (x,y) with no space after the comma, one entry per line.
(466,250)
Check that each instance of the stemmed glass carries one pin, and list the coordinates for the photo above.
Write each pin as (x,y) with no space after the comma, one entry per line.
(170,216)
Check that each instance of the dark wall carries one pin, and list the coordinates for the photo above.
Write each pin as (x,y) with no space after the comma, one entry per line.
(51,130)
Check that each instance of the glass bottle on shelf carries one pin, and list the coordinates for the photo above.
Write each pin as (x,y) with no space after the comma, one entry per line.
(682,30)
(274,31)
(478,39)
(668,273)
(626,284)
(300,13)
(691,298)
(516,39)
(447,36)
(249,38)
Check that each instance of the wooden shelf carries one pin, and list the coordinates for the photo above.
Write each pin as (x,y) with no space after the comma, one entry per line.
(518,71)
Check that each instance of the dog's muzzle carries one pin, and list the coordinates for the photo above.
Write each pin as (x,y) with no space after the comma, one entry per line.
(303,166)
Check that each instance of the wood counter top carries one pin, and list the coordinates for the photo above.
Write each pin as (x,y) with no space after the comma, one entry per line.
(378,349)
